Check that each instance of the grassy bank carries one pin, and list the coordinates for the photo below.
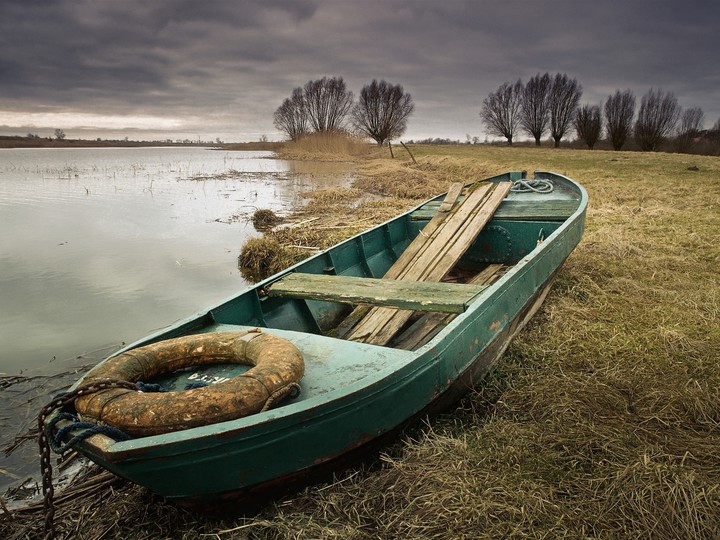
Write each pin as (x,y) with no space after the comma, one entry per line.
(603,418)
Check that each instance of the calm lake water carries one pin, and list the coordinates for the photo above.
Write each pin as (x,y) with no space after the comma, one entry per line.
(102,246)
(99,247)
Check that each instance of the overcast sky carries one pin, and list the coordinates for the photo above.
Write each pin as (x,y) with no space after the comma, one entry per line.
(150,69)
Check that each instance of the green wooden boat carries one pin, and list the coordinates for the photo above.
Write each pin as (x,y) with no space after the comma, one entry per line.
(355,394)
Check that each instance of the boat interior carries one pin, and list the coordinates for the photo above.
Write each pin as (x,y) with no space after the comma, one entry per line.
(317,304)
(521,221)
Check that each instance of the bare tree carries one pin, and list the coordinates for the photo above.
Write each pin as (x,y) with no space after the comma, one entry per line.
(563,100)
(657,116)
(712,136)
(588,124)
(501,110)
(534,108)
(382,111)
(59,134)
(691,123)
(327,103)
(619,114)
(291,116)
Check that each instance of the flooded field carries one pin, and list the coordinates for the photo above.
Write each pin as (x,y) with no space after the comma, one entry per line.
(99,247)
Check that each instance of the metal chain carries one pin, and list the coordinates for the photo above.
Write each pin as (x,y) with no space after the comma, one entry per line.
(57,403)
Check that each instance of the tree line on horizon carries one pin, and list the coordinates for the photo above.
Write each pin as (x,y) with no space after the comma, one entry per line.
(551,104)
(324,105)
(546,104)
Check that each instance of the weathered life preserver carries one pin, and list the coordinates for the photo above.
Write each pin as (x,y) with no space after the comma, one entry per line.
(277,366)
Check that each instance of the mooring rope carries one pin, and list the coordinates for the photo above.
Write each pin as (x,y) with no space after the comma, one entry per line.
(150,387)
(48,440)
(537,186)
(79,430)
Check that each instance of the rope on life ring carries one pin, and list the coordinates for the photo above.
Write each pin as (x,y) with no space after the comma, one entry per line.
(276,368)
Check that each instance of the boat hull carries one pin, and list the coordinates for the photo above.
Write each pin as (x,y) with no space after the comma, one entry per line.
(233,466)
(248,500)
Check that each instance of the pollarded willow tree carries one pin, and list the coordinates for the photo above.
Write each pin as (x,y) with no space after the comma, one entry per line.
(691,123)
(327,103)
(712,136)
(534,107)
(619,113)
(291,117)
(501,110)
(319,106)
(588,124)
(563,100)
(657,116)
(382,111)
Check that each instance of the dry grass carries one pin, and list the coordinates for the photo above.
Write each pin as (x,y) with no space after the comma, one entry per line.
(601,421)
(334,146)
(322,198)
(330,215)
(430,176)
(339,213)
(603,418)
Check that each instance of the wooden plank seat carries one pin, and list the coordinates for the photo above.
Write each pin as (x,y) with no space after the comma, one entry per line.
(403,294)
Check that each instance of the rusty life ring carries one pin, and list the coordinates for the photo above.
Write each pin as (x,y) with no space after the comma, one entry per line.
(277,366)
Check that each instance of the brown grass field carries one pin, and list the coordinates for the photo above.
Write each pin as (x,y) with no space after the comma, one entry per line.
(601,421)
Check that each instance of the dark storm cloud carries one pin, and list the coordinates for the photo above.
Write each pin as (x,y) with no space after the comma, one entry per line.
(72,51)
(223,67)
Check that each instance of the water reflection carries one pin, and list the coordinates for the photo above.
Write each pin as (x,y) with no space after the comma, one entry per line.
(102,246)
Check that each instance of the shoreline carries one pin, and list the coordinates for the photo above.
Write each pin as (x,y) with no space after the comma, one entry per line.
(44,142)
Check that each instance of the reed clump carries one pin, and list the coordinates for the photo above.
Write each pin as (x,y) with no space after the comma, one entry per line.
(277,250)
(328,146)
(264,219)
(261,257)
(330,216)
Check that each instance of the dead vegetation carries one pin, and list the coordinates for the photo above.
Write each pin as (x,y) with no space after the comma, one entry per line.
(330,215)
(602,420)
(328,146)
(383,189)
(264,219)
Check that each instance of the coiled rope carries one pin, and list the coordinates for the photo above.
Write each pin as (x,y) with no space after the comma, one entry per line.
(537,186)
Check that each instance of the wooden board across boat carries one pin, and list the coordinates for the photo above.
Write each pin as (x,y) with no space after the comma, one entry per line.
(392,324)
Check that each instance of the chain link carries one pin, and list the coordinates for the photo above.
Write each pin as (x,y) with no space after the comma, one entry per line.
(58,403)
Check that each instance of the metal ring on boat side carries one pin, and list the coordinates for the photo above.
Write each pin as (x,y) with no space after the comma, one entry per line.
(276,365)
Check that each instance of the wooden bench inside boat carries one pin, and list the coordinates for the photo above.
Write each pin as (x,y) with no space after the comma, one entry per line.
(401,294)
(512,209)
